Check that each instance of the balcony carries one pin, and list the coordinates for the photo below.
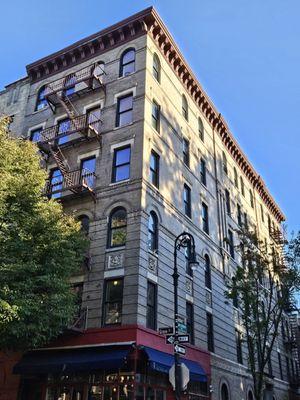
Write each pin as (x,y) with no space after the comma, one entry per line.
(73,182)
(74,84)
(75,128)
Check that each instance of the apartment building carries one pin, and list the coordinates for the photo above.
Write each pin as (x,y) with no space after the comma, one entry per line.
(137,150)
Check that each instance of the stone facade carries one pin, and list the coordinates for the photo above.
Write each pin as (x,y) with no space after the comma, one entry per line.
(134,262)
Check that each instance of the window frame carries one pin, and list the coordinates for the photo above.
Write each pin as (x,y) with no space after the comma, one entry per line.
(190,321)
(201,129)
(224,163)
(185,107)
(115,167)
(186,152)
(111,229)
(239,347)
(205,217)
(155,116)
(154,172)
(203,172)
(122,64)
(156,72)
(104,313)
(153,234)
(187,200)
(40,100)
(231,243)
(207,272)
(227,201)
(119,113)
(242,184)
(151,308)
(210,332)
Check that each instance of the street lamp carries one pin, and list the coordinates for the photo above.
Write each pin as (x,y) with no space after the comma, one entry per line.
(183,240)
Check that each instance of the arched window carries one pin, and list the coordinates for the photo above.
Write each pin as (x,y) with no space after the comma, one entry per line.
(156,68)
(224,161)
(207,272)
(250,395)
(41,102)
(236,181)
(224,392)
(153,232)
(201,129)
(85,223)
(117,227)
(127,62)
(242,186)
(185,108)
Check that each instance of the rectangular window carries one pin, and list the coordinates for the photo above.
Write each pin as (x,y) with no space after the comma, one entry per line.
(35,135)
(203,171)
(190,321)
(210,332)
(124,110)
(56,183)
(246,221)
(239,215)
(88,168)
(151,305)
(227,199)
(156,116)
(113,298)
(154,169)
(121,164)
(64,127)
(187,254)
(239,350)
(186,152)
(262,213)
(280,366)
(187,200)
(205,222)
(230,243)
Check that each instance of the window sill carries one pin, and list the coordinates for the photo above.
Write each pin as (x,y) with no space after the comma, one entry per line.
(113,249)
(122,126)
(119,183)
(38,111)
(127,75)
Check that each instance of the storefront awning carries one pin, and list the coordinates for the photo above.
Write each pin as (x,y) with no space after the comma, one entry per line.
(71,360)
(162,362)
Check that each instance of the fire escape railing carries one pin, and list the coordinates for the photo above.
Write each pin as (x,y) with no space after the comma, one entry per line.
(87,78)
(75,181)
(80,124)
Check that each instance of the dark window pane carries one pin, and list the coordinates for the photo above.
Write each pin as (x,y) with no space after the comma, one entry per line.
(203,171)
(210,332)
(207,272)
(151,306)
(121,164)
(190,321)
(152,232)
(117,228)
(113,301)
(35,136)
(154,169)
(205,223)
(187,200)
(127,64)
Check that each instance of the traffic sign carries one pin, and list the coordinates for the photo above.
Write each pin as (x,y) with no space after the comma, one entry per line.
(185,376)
(166,330)
(179,349)
(170,339)
(183,338)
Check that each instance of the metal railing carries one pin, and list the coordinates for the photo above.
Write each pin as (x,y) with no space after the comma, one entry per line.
(73,79)
(77,124)
(75,181)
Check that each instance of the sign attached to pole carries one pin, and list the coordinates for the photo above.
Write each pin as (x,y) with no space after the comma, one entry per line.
(185,376)
(170,339)
(166,330)
(179,349)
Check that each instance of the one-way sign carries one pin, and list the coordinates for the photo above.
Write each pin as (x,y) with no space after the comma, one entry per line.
(166,330)
(170,339)
(179,349)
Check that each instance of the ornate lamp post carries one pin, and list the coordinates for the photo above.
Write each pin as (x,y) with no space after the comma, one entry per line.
(183,240)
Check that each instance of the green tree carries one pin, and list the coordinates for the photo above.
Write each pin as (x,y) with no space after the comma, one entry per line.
(263,286)
(40,249)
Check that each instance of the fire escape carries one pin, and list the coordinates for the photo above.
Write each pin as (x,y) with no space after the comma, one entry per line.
(60,93)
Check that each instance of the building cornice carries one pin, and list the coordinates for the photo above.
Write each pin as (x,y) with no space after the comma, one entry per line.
(148,21)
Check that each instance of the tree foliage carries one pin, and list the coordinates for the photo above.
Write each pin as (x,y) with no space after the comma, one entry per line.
(40,249)
(263,286)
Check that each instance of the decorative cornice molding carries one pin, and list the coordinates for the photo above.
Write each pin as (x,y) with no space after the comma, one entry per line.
(148,21)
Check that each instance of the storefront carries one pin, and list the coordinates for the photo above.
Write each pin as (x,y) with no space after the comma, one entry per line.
(116,371)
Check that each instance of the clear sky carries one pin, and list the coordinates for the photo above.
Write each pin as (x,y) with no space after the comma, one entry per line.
(245,53)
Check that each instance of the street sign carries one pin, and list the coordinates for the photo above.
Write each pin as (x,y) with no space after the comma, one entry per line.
(179,349)
(183,338)
(185,376)
(170,339)
(181,324)
(166,330)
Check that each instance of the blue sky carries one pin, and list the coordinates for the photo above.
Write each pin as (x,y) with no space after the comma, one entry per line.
(245,53)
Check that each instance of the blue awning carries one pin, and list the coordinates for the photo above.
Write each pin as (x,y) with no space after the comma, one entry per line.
(162,362)
(71,360)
